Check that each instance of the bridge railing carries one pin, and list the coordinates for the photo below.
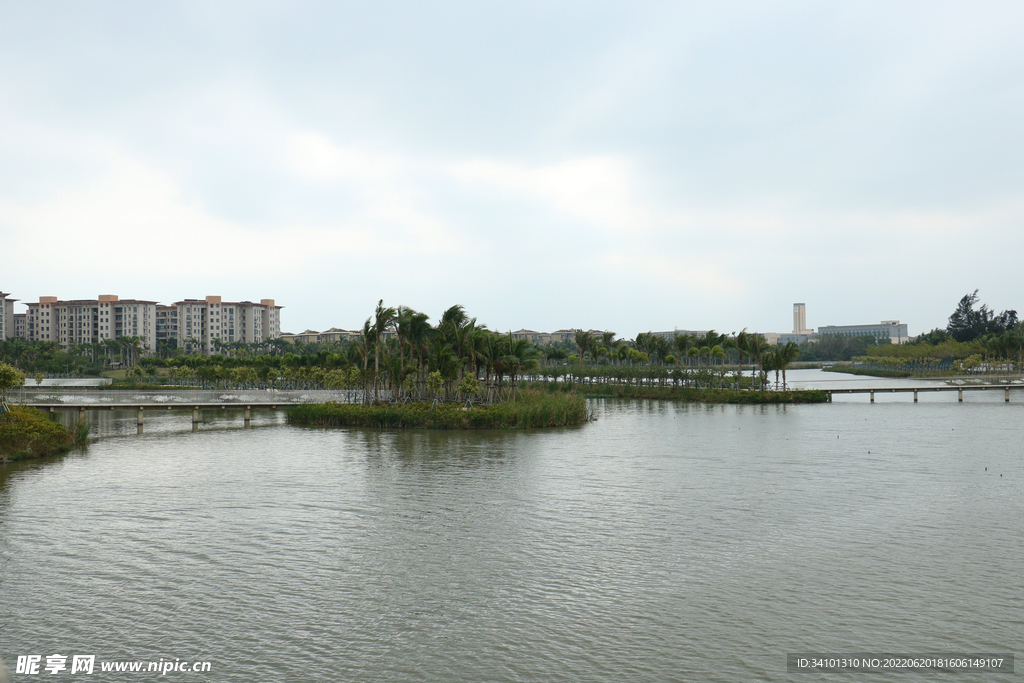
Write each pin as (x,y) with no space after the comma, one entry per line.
(129,397)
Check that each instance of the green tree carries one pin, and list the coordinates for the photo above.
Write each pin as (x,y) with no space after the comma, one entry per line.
(520,355)
(435,382)
(784,357)
(967,323)
(585,343)
(383,320)
(10,377)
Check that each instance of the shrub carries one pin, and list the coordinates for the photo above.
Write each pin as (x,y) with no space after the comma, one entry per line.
(29,433)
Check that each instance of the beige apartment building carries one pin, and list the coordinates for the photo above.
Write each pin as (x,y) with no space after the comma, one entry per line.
(6,316)
(196,323)
(86,321)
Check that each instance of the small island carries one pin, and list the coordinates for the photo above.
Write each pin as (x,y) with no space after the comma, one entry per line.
(529,409)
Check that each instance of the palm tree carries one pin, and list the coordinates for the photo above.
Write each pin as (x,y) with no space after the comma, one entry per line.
(783,357)
(756,346)
(520,355)
(416,335)
(455,316)
(383,320)
(741,343)
(366,337)
(768,363)
(610,343)
(661,346)
(441,359)
(585,342)
(397,371)
(683,343)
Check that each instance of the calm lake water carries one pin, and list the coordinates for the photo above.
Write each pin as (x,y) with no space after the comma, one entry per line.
(663,542)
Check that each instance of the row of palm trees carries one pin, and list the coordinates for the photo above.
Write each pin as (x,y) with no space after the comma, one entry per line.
(400,352)
(127,350)
(706,350)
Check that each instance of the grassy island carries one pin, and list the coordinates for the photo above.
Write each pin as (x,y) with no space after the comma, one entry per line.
(29,433)
(531,409)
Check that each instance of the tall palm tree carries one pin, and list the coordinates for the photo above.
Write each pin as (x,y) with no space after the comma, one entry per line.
(455,316)
(660,346)
(716,352)
(756,347)
(365,343)
(609,342)
(585,342)
(768,364)
(520,355)
(683,343)
(384,319)
(784,356)
(741,342)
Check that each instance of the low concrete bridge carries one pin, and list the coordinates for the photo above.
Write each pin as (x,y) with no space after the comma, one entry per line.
(960,389)
(141,409)
(155,401)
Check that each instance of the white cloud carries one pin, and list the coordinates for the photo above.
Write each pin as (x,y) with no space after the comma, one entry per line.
(599,189)
(133,218)
(315,157)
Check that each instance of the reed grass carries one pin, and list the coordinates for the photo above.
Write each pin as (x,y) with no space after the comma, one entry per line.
(532,409)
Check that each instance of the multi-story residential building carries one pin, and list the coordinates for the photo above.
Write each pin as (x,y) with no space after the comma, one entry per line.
(192,322)
(887,329)
(338,335)
(41,323)
(536,337)
(166,324)
(202,321)
(670,335)
(87,321)
(307,337)
(532,336)
(563,335)
(6,316)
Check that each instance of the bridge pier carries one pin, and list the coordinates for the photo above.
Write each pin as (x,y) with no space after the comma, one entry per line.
(195,418)
(960,394)
(915,395)
(248,416)
(872,396)
(138,419)
(1006,395)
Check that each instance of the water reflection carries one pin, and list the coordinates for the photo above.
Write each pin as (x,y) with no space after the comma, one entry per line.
(666,541)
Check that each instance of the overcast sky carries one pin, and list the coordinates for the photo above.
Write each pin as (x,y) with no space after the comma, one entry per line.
(624,166)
